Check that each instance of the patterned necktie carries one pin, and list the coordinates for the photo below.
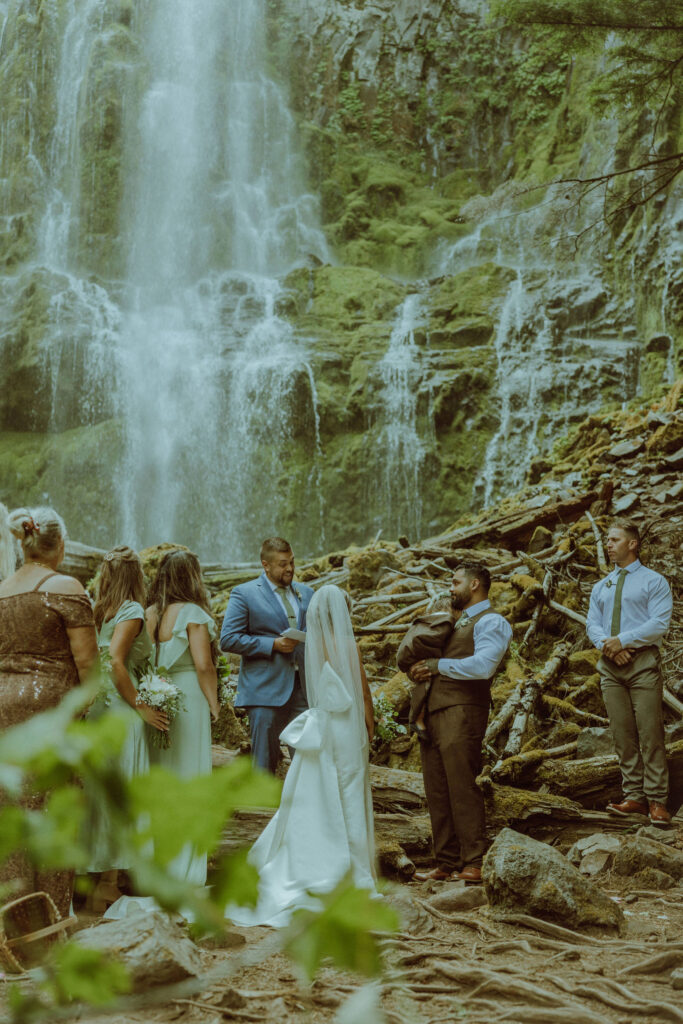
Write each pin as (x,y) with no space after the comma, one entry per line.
(462,621)
(616,610)
(291,613)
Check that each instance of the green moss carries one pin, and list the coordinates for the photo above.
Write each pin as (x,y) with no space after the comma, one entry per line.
(74,471)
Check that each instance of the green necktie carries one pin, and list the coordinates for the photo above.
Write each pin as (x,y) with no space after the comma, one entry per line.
(616,610)
(291,613)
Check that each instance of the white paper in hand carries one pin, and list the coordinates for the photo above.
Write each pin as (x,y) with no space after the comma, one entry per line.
(294,634)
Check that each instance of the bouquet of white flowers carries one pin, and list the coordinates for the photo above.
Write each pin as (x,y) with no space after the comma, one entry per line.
(156,690)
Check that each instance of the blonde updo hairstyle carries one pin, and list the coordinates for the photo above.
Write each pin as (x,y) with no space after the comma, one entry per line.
(40,531)
(120,579)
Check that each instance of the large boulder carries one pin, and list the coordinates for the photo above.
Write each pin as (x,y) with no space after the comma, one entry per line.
(639,852)
(153,948)
(522,875)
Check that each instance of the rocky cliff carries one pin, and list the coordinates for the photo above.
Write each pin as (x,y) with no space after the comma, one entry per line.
(458,323)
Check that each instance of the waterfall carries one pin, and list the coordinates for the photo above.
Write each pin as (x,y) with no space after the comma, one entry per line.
(562,347)
(218,211)
(401,444)
(165,319)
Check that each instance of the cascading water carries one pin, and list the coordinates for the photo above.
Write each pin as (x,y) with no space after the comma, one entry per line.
(401,442)
(182,344)
(557,341)
(218,211)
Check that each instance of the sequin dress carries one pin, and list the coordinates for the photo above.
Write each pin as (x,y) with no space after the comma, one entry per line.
(36,671)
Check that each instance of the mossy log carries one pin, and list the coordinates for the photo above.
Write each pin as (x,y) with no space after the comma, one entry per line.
(520,767)
(594,781)
(516,527)
(529,695)
(411,832)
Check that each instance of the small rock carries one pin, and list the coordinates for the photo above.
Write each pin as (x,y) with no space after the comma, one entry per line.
(674,461)
(625,449)
(414,918)
(593,741)
(638,852)
(153,949)
(677,978)
(458,897)
(227,939)
(540,540)
(625,503)
(593,853)
(651,878)
(522,874)
(660,835)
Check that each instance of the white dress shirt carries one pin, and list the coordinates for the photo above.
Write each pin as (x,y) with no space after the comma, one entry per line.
(293,600)
(646,606)
(492,636)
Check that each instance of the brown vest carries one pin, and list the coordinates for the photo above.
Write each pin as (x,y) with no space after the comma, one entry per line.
(445,692)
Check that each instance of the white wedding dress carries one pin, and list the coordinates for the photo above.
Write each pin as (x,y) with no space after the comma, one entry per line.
(323,829)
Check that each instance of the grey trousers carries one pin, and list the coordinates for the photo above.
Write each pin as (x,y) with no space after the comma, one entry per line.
(633,697)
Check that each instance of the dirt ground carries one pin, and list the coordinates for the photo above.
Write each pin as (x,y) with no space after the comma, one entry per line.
(466,966)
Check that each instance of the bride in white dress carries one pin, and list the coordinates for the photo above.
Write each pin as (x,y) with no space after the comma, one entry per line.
(323,829)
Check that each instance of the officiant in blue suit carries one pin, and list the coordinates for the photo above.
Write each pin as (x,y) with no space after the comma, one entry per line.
(271,686)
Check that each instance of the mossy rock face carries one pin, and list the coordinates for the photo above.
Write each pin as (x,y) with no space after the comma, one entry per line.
(73,471)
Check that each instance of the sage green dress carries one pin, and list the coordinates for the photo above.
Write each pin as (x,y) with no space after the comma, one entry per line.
(189,753)
(134,757)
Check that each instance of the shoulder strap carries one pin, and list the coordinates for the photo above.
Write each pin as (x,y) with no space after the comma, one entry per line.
(42,580)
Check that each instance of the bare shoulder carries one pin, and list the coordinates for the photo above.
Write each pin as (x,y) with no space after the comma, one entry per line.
(63,585)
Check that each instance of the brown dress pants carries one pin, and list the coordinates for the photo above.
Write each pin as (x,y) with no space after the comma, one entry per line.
(633,697)
(451,761)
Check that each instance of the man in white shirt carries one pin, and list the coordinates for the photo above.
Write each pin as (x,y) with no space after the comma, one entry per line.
(457,714)
(629,613)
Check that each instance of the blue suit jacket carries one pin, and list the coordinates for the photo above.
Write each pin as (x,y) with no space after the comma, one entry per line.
(253,619)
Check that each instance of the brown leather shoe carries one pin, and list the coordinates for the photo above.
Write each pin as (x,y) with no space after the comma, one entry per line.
(628,807)
(435,875)
(659,814)
(470,874)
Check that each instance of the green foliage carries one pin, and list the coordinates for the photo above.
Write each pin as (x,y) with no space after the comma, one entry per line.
(386,725)
(152,817)
(194,810)
(342,931)
(76,973)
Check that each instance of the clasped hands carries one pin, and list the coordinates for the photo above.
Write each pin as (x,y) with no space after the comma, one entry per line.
(420,672)
(613,650)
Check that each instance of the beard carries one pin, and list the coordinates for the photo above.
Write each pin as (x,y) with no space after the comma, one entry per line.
(457,602)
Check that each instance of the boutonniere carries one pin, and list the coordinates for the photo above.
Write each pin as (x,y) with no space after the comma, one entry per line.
(609,583)
(296,592)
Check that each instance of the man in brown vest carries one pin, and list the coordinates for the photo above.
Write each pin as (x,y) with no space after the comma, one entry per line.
(457,714)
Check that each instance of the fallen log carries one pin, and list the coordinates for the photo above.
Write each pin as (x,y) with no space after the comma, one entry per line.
(599,550)
(569,612)
(530,693)
(398,614)
(505,714)
(594,781)
(81,561)
(519,767)
(517,527)
(394,788)
(410,832)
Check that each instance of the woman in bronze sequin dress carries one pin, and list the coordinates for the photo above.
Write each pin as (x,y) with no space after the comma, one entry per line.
(47,645)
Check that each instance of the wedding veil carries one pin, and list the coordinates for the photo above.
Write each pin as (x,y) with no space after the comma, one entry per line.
(329,638)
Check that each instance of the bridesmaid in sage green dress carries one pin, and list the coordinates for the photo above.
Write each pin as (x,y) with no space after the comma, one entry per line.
(183,630)
(120,619)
